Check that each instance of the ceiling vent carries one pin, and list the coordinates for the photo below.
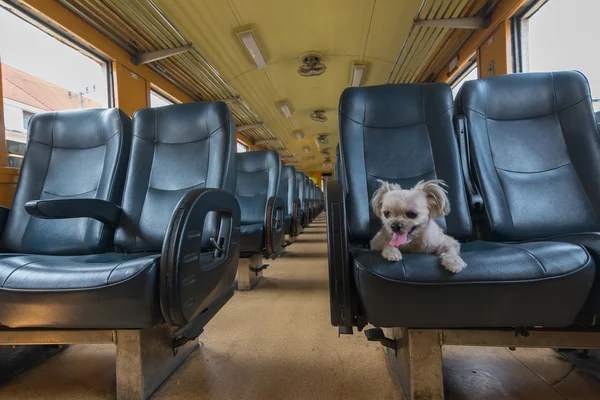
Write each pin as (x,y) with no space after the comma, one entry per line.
(318,115)
(322,139)
(311,64)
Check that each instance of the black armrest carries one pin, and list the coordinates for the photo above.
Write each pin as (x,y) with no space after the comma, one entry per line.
(196,281)
(306,212)
(274,234)
(473,194)
(297,216)
(100,210)
(342,296)
(3,218)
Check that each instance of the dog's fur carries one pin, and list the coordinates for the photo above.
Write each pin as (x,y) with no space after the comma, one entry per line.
(427,200)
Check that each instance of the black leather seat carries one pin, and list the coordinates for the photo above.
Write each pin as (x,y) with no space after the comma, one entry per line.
(258,175)
(287,192)
(163,272)
(302,198)
(535,154)
(403,134)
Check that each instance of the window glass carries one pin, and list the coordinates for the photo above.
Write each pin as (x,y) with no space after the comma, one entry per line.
(562,35)
(158,100)
(41,73)
(241,147)
(469,76)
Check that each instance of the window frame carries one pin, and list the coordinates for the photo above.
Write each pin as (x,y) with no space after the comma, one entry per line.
(46,26)
(519,29)
(462,73)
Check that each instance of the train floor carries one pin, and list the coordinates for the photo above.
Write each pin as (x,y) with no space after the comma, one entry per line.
(276,342)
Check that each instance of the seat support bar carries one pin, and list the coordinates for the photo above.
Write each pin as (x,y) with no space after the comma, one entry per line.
(145,357)
(417,359)
(249,272)
(12,337)
(534,338)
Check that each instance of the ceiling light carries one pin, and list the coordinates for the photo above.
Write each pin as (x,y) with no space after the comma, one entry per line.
(299,135)
(285,108)
(249,40)
(306,149)
(358,70)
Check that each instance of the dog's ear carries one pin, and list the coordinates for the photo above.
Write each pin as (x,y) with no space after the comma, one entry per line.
(377,199)
(437,197)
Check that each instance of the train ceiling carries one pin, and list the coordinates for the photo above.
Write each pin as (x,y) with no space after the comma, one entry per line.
(287,100)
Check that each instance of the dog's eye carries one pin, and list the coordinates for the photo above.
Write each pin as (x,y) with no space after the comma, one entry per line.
(386,214)
(411,214)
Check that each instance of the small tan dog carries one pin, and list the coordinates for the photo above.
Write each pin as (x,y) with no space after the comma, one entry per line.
(408,225)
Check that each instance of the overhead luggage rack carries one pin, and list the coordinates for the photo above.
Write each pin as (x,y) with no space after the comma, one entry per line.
(444,25)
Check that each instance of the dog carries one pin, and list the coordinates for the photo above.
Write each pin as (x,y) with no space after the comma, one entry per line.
(408,224)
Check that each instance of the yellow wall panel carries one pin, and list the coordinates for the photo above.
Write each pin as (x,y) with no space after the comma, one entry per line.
(496,50)
(131,90)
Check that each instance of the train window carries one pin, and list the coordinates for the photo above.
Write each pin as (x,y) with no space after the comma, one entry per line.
(42,72)
(468,74)
(241,147)
(544,47)
(159,100)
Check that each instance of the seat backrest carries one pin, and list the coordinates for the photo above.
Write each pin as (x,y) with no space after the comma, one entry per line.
(258,175)
(175,149)
(70,154)
(300,186)
(287,187)
(402,134)
(535,151)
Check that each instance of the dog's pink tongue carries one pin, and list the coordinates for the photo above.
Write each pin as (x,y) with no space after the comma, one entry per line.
(398,239)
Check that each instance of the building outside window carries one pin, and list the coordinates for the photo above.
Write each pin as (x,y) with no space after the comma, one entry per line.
(69,78)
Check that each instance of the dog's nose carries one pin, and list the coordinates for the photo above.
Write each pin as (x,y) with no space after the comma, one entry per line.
(396,227)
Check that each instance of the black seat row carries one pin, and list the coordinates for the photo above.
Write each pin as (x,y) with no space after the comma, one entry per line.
(276,201)
(129,231)
(523,175)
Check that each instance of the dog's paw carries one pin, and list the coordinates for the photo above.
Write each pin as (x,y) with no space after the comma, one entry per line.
(452,262)
(391,254)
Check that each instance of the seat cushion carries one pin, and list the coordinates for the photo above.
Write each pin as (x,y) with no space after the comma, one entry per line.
(88,291)
(251,239)
(504,285)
